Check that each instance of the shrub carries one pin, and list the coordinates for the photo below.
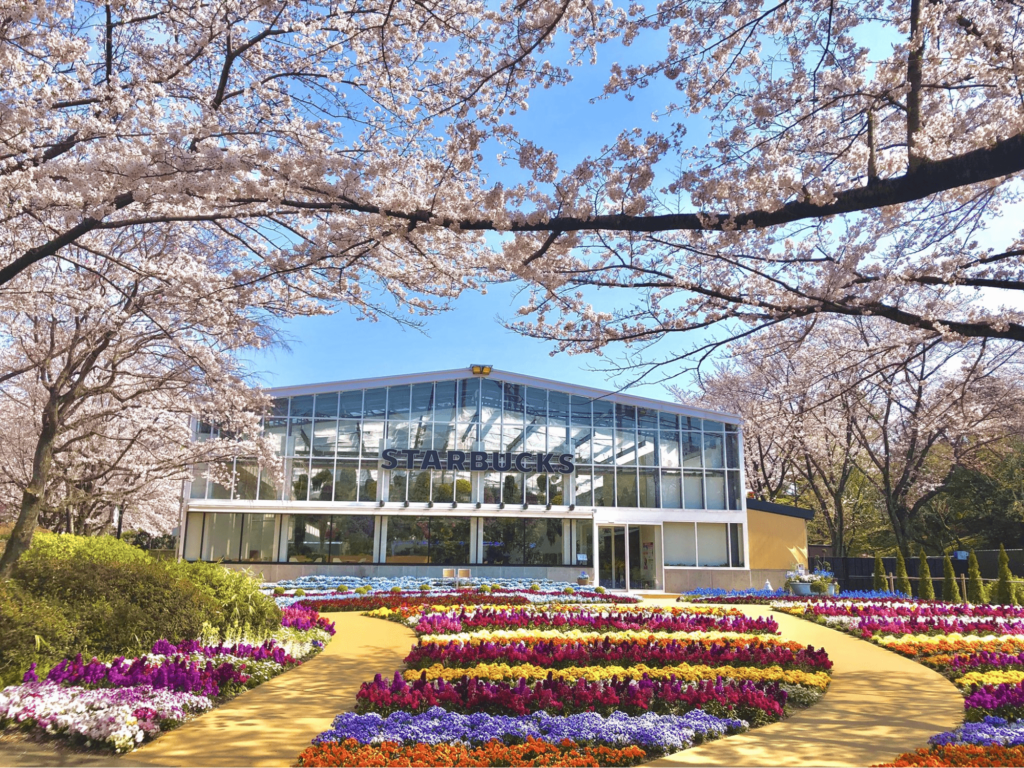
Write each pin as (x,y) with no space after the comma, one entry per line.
(950,589)
(396,590)
(424,587)
(819,587)
(975,586)
(535,587)
(1004,586)
(48,547)
(342,588)
(568,591)
(600,590)
(484,589)
(902,579)
(879,582)
(236,593)
(32,631)
(278,590)
(925,588)
(362,590)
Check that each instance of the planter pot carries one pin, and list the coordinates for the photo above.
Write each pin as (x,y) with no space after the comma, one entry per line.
(832,588)
(800,588)
(583,582)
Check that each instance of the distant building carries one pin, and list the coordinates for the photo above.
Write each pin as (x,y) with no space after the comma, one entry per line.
(506,474)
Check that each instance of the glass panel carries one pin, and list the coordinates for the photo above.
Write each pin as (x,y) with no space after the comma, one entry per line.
(668,420)
(558,408)
(554,486)
(602,446)
(625,446)
(373,436)
(536,439)
(279,407)
(217,490)
(669,449)
(326,406)
(398,483)
(419,486)
(542,541)
(714,456)
(321,481)
(512,489)
(691,448)
(626,487)
(309,538)
(443,437)
(604,413)
(298,479)
(198,482)
(584,487)
(611,560)
(300,437)
(732,450)
(580,407)
(268,487)
(258,538)
(419,438)
(693,490)
(648,486)
(348,437)
(671,491)
(375,403)
(465,437)
(492,488)
(712,545)
(584,543)
(535,489)
(325,437)
(367,483)
(193,536)
(407,540)
(604,487)
(351,404)
(490,436)
(463,488)
(647,448)
(625,416)
(422,402)
(345,481)
(511,438)
(449,540)
(469,399)
(444,401)
(398,403)
(735,491)
(302,407)
(352,539)
(503,541)
(222,537)
(246,479)
(536,406)
(680,544)
(731,428)
(736,544)
(712,426)
(276,431)
(490,401)
(646,418)
(514,403)
(398,435)
(444,486)
(582,438)
(714,485)
(644,559)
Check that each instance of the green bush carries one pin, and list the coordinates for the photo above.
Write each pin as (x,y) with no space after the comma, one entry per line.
(568,591)
(975,586)
(819,587)
(925,588)
(902,579)
(879,582)
(236,593)
(364,590)
(342,588)
(600,590)
(424,587)
(300,592)
(950,589)
(278,590)
(396,590)
(535,587)
(32,631)
(1004,586)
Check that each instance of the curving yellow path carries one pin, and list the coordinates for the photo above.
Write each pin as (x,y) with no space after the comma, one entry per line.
(271,724)
(879,705)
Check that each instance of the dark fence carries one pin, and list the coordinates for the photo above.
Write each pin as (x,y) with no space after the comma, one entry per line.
(856,573)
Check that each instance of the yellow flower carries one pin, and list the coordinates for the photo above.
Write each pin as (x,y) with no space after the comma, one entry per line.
(1011,676)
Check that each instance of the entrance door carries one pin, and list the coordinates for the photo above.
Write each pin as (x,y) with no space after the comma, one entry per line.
(611,558)
(629,557)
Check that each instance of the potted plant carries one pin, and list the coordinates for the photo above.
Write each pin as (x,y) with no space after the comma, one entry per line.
(583,579)
(820,582)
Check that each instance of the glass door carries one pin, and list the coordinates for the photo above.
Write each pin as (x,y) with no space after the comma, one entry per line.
(611,559)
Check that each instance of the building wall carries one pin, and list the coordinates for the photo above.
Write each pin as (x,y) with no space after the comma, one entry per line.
(684,579)
(278,571)
(776,541)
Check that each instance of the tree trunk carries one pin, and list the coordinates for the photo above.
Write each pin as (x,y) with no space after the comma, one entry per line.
(34,494)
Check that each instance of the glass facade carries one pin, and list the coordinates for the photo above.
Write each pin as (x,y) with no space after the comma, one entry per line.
(626,456)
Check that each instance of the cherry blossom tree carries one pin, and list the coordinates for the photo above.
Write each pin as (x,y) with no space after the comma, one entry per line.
(855,153)
(858,416)
(106,366)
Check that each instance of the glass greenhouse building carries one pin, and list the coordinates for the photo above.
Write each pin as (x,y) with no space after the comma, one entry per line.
(504,474)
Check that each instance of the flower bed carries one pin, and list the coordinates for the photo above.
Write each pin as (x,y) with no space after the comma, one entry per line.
(118,704)
(658,679)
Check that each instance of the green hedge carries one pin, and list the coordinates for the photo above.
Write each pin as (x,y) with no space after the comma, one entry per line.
(102,597)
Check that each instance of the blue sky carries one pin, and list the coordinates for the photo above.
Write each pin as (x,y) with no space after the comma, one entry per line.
(562,119)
